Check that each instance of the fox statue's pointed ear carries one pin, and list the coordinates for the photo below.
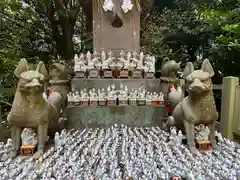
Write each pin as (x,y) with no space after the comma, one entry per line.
(22,67)
(188,69)
(207,67)
(42,69)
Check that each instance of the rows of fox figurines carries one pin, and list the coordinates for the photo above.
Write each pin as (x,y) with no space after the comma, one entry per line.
(133,64)
(113,96)
(122,152)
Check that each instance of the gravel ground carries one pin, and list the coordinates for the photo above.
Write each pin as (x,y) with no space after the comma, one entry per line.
(121,152)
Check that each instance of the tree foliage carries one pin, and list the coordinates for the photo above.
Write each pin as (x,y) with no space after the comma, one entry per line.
(190,28)
(182,30)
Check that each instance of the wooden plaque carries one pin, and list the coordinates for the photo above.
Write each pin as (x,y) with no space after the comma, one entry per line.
(123,73)
(106,36)
(108,73)
(27,150)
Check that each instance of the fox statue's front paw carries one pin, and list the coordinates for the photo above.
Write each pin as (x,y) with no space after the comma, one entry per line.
(13,153)
(194,151)
(38,154)
(213,144)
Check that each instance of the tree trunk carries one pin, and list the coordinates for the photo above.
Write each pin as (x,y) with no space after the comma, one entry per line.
(67,37)
(1,126)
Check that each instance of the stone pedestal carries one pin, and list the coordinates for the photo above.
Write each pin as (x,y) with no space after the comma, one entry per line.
(135,114)
(81,74)
(94,73)
(149,75)
(137,74)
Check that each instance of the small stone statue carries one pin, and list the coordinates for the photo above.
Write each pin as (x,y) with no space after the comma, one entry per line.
(170,70)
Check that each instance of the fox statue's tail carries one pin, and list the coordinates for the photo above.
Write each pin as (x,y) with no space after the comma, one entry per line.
(54,99)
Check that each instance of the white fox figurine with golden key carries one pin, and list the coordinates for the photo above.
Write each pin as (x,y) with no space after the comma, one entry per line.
(199,106)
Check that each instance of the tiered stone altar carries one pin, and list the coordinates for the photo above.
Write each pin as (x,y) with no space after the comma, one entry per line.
(105,116)
(116,60)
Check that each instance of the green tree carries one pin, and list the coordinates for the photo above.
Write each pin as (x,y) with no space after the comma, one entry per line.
(196,27)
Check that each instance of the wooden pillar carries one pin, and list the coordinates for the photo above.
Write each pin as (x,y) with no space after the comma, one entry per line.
(106,37)
(227,109)
(236,123)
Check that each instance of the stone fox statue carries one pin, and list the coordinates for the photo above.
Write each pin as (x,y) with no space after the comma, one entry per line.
(199,106)
(30,109)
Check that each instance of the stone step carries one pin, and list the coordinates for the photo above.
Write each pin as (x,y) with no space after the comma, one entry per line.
(81,117)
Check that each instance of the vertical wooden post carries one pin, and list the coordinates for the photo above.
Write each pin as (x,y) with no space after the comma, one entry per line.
(236,123)
(227,109)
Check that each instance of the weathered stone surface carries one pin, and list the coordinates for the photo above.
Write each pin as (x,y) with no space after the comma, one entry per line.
(199,106)
(79,117)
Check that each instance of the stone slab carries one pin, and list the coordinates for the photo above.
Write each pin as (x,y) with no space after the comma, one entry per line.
(81,117)
(151,85)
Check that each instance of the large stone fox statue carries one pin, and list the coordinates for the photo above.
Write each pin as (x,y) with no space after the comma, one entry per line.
(199,106)
(30,109)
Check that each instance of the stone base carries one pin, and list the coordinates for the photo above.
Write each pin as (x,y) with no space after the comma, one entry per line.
(111,102)
(93,73)
(76,103)
(108,73)
(81,74)
(102,102)
(137,74)
(149,75)
(141,102)
(28,150)
(132,102)
(123,102)
(84,103)
(93,102)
